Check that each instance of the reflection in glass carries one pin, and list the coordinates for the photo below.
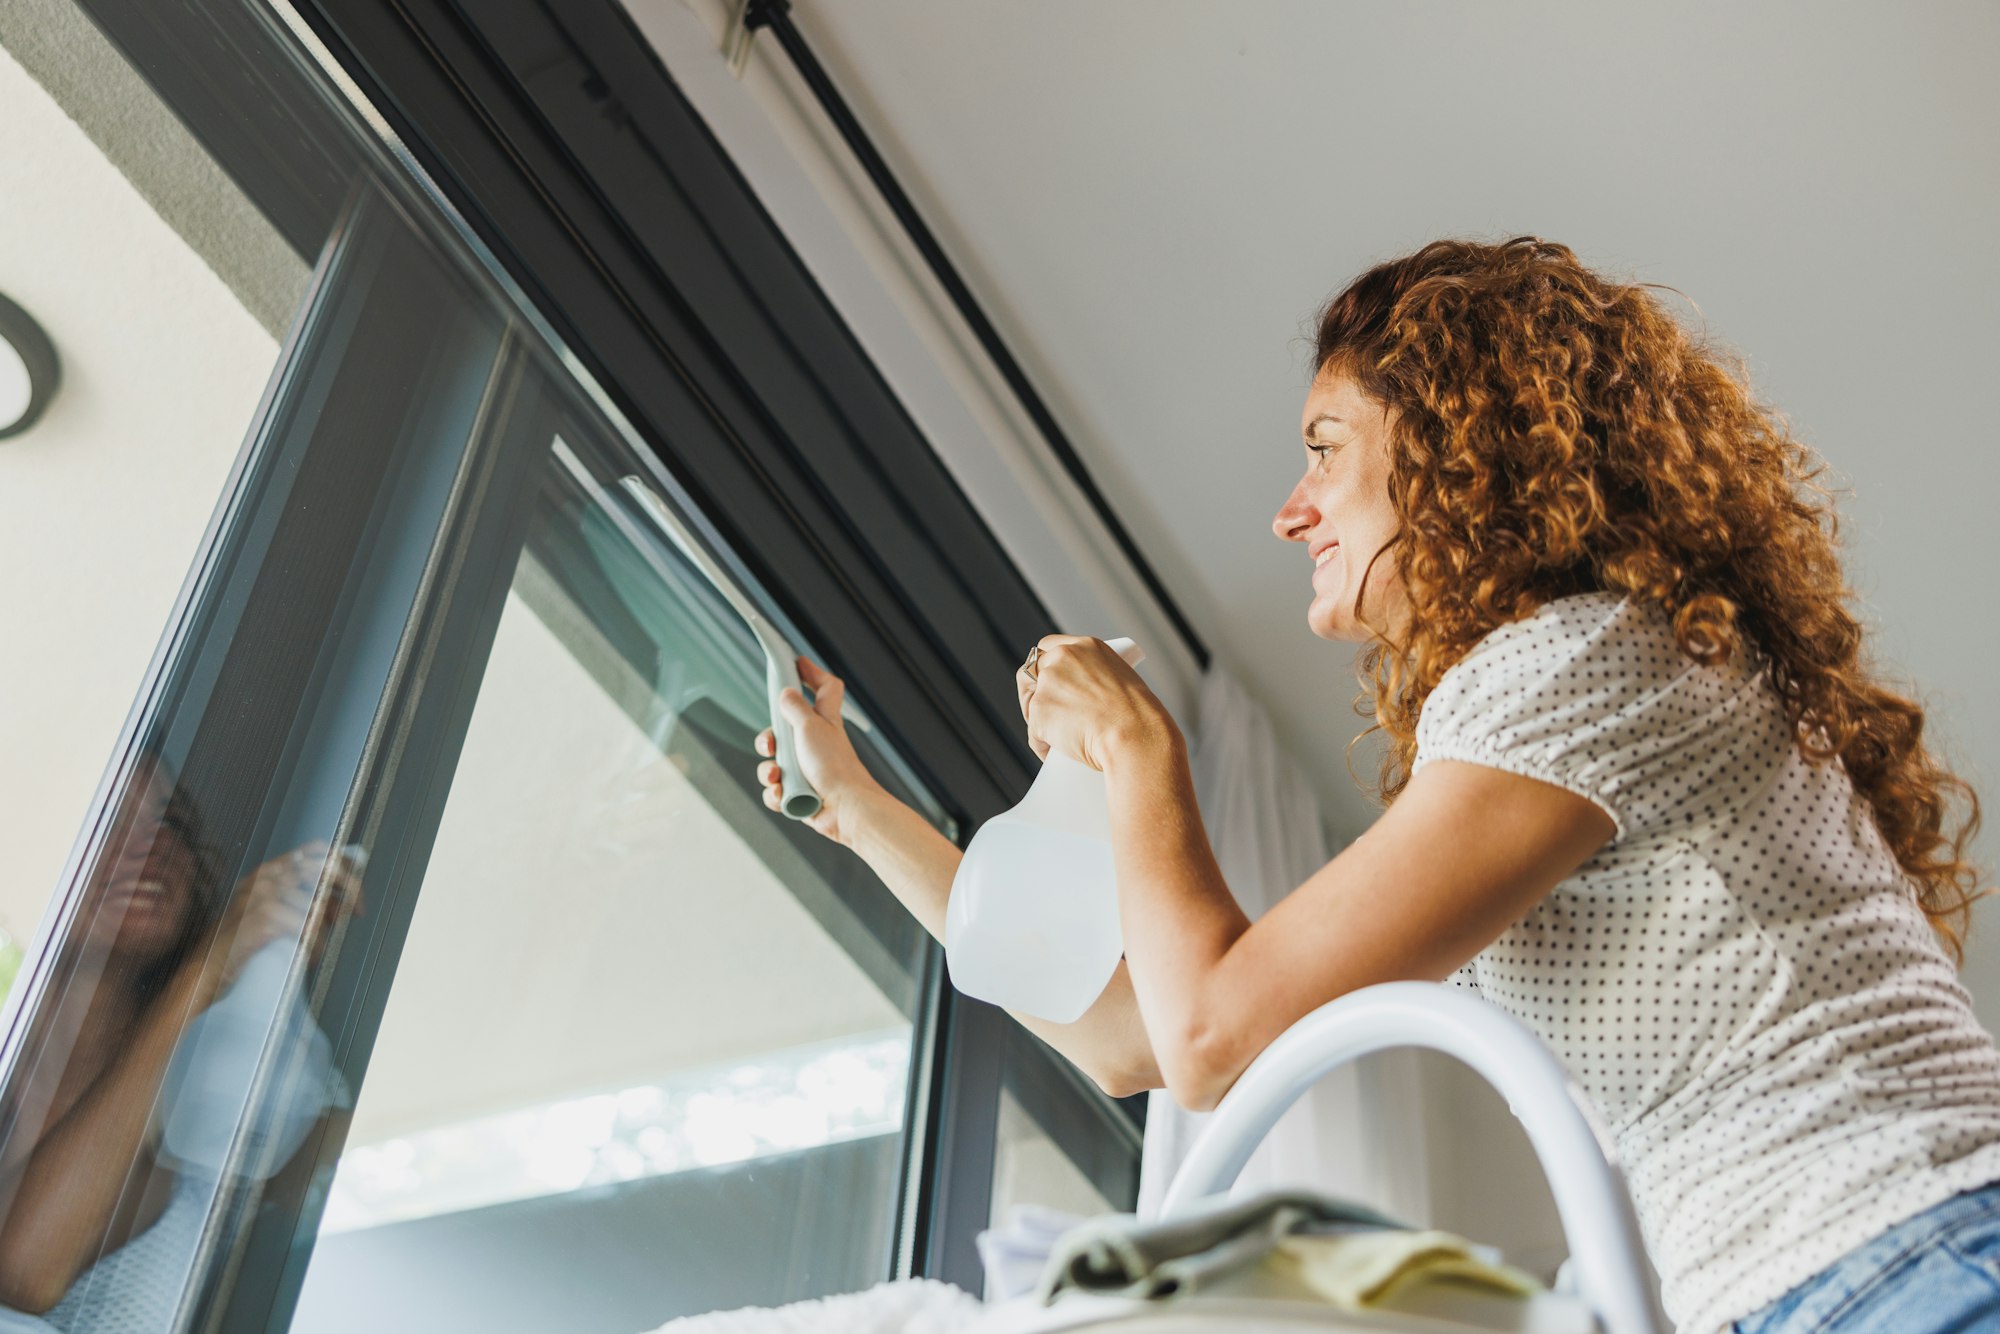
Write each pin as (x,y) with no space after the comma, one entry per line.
(109,1170)
(166,1086)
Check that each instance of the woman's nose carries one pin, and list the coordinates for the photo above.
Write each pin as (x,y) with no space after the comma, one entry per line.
(1295,516)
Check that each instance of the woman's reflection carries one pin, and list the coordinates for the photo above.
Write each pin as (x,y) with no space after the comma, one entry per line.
(106,1177)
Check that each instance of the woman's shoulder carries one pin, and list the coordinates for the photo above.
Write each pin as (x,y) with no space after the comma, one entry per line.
(1608,648)
(1576,625)
(1594,692)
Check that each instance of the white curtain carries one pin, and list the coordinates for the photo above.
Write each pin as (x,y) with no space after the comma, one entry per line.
(1359,1133)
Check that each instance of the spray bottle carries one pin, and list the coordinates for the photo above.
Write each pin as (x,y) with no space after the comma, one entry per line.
(1032,921)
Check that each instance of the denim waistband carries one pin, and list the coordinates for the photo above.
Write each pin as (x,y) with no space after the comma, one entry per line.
(1847,1280)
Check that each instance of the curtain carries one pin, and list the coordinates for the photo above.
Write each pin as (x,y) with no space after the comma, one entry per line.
(1359,1133)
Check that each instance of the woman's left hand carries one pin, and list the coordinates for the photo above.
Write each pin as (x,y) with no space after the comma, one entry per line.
(1083,700)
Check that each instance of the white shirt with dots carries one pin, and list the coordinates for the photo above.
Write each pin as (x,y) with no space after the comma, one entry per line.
(1741,979)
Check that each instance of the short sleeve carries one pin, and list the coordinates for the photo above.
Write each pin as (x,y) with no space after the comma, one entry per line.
(1593,694)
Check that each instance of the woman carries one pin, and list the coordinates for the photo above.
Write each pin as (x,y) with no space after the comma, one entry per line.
(99,1215)
(1645,796)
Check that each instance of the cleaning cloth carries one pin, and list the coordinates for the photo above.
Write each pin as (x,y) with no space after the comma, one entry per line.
(1362,1269)
(1124,1255)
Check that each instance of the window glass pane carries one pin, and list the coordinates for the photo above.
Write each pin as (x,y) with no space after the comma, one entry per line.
(1060,1142)
(1029,1167)
(645,1035)
(166,295)
(173,1071)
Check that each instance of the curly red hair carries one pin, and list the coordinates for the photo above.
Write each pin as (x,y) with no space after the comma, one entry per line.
(1554,432)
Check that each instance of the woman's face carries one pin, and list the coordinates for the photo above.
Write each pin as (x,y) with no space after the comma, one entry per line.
(1340,512)
(149,878)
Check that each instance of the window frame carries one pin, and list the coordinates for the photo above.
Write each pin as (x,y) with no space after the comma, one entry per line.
(551,142)
(558,135)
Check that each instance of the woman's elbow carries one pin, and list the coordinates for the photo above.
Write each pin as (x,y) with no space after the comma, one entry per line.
(1194,1076)
(1117,1086)
(29,1291)
(1128,1080)
(1187,1070)
(37,1262)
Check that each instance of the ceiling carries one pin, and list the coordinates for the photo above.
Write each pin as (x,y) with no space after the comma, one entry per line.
(1152,197)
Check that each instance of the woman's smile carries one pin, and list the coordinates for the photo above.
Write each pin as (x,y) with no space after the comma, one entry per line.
(1346,438)
(145,894)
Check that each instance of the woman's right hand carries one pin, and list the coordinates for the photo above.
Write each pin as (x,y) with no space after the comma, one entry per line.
(825,753)
(274,901)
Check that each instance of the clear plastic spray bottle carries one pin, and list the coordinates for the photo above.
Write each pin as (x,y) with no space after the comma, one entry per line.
(1032,921)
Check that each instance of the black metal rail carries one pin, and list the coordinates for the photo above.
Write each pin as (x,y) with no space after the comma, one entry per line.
(776,15)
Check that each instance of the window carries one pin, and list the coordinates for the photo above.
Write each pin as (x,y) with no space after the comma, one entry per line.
(425,942)
(645,1039)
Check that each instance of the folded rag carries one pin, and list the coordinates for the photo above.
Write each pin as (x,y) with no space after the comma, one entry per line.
(1364,1269)
(1124,1255)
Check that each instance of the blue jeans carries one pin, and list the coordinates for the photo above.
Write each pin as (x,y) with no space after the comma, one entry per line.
(1936,1273)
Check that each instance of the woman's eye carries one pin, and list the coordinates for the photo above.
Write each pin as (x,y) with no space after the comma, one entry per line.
(1322,450)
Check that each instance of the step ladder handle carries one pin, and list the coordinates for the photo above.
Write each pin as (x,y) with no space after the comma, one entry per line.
(1607,1251)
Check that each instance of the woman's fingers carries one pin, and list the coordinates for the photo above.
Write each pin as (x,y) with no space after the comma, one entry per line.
(356,904)
(1024,680)
(766,743)
(826,687)
(274,919)
(347,892)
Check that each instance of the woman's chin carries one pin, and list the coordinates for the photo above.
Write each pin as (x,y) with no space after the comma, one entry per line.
(142,932)
(1325,619)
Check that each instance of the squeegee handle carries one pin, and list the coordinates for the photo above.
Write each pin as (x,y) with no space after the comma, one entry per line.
(782,671)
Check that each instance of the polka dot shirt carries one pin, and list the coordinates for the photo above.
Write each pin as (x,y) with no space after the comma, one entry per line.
(1741,979)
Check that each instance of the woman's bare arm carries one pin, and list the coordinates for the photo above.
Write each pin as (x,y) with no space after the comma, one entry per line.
(1466,851)
(1108,1042)
(67,1200)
